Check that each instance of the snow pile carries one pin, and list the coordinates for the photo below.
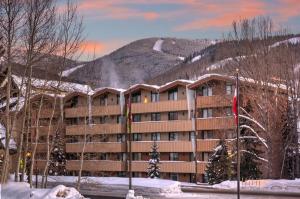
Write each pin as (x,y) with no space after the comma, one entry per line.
(66,73)
(17,190)
(266,185)
(293,41)
(158,44)
(196,58)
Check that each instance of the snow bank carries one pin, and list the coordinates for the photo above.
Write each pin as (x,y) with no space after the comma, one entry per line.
(17,190)
(158,44)
(266,185)
(66,73)
(293,41)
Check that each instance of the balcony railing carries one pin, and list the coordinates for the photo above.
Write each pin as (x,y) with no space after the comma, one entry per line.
(162,106)
(94,129)
(162,126)
(46,113)
(106,110)
(201,166)
(76,112)
(214,101)
(43,130)
(164,146)
(96,147)
(166,166)
(95,165)
(206,145)
(215,123)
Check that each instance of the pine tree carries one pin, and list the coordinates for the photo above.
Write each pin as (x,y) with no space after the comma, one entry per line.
(218,168)
(58,159)
(250,164)
(153,169)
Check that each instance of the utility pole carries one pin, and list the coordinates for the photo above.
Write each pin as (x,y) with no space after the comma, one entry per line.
(238,135)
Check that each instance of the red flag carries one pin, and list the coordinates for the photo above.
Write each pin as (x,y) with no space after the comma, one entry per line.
(234,106)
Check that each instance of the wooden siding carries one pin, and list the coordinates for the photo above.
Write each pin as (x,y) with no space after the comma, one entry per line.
(166,166)
(201,166)
(94,129)
(43,130)
(214,101)
(215,123)
(106,110)
(162,106)
(164,146)
(46,113)
(76,112)
(162,126)
(206,145)
(95,165)
(100,147)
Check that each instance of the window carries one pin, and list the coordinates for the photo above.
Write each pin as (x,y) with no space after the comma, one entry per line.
(174,157)
(173,136)
(103,156)
(206,113)
(230,134)
(120,138)
(174,176)
(121,156)
(74,101)
(136,118)
(228,111)
(228,89)
(173,94)
(206,156)
(118,99)
(136,156)
(155,116)
(173,116)
(206,91)
(103,100)
(155,136)
(137,137)
(154,97)
(207,135)
(136,97)
(119,119)
(103,119)
(192,136)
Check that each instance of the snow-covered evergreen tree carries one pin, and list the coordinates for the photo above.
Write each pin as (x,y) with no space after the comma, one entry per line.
(250,146)
(219,168)
(58,159)
(153,169)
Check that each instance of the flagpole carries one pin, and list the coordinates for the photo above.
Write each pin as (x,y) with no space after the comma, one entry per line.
(238,135)
(129,140)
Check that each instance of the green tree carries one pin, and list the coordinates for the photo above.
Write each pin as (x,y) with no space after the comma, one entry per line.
(153,169)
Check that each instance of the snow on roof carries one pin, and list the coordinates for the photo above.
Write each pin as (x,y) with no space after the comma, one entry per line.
(293,41)
(142,85)
(67,72)
(51,84)
(110,88)
(158,44)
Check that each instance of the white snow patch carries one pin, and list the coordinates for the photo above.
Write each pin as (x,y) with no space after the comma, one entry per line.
(222,63)
(293,41)
(12,143)
(158,44)
(198,57)
(66,73)
(181,58)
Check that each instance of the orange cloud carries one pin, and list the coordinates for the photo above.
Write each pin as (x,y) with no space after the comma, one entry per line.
(151,15)
(92,47)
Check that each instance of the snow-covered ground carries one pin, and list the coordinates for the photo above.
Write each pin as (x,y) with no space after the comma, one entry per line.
(158,44)
(198,57)
(21,190)
(66,73)
(293,41)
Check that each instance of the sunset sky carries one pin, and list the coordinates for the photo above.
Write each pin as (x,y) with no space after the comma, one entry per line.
(109,24)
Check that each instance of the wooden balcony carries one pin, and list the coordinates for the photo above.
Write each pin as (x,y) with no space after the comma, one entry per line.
(106,110)
(94,129)
(76,112)
(201,166)
(95,165)
(206,145)
(41,147)
(40,164)
(215,123)
(162,126)
(162,106)
(96,147)
(46,113)
(43,130)
(214,101)
(166,166)
(164,146)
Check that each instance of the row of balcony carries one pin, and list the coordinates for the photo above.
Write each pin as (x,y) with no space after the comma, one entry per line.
(161,106)
(142,146)
(214,123)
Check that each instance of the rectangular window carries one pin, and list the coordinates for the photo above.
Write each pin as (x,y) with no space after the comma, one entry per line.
(136,97)
(228,89)
(137,137)
(120,138)
(173,94)
(119,119)
(155,116)
(154,97)
(103,100)
(207,91)
(207,135)
(136,118)
(173,116)
(118,99)
(103,119)
(192,136)
(103,156)
(174,176)
(206,156)
(174,157)
(206,113)
(228,111)
(155,136)
(173,136)
(136,156)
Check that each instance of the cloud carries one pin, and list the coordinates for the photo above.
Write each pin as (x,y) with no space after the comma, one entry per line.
(287,9)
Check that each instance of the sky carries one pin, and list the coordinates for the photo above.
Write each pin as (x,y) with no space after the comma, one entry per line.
(110,24)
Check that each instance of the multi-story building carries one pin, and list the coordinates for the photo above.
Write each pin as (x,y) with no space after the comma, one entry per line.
(185,118)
